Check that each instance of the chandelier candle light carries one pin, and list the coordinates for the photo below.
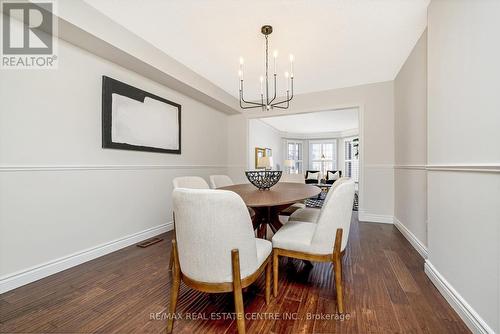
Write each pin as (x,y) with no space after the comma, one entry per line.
(266,101)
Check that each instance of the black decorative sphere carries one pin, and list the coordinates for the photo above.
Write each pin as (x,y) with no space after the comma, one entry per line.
(264,179)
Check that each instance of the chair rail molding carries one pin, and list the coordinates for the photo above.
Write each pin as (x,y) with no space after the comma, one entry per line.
(41,168)
(411,167)
(412,239)
(23,277)
(482,168)
(465,167)
(471,318)
(476,167)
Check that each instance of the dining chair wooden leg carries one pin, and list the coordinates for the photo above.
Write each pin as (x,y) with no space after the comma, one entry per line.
(174,293)
(338,283)
(268,282)
(262,231)
(337,266)
(275,273)
(172,251)
(171,262)
(238,294)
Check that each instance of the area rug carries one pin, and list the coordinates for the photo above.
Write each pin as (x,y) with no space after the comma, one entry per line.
(317,202)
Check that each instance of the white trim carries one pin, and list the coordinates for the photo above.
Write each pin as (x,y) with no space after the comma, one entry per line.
(481,168)
(364,216)
(334,160)
(321,135)
(293,111)
(361,119)
(471,318)
(477,167)
(412,167)
(414,241)
(286,142)
(361,156)
(23,277)
(45,168)
(485,168)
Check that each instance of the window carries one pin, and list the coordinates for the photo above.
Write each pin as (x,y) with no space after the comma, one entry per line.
(294,152)
(323,155)
(351,158)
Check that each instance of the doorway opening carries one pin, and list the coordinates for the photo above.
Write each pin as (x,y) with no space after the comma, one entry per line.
(322,141)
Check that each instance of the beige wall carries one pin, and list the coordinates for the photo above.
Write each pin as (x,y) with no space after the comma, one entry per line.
(47,124)
(410,142)
(377,141)
(376,106)
(263,135)
(57,196)
(238,146)
(463,133)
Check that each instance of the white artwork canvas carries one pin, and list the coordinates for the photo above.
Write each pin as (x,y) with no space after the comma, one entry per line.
(151,123)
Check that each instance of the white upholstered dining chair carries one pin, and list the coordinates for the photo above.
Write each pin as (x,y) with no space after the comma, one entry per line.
(311,214)
(323,241)
(215,249)
(191,182)
(219,181)
(292,178)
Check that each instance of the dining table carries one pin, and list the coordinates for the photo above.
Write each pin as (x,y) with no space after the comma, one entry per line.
(267,204)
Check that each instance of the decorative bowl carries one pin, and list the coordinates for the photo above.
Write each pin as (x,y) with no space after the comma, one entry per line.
(264,179)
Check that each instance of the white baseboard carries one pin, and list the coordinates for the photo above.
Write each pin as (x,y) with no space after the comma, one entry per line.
(471,318)
(15,280)
(374,218)
(417,244)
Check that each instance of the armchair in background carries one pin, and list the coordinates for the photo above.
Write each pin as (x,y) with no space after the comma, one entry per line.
(332,176)
(312,176)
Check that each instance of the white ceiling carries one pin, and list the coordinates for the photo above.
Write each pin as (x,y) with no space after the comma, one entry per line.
(336,43)
(315,122)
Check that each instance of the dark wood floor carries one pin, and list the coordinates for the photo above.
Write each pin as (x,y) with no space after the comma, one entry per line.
(386,291)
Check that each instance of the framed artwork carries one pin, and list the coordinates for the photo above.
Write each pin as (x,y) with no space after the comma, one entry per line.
(133,119)
(262,152)
(259,153)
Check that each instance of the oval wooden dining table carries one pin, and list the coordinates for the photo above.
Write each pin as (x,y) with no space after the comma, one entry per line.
(267,204)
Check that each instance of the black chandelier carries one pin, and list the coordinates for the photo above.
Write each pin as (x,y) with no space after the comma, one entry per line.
(266,101)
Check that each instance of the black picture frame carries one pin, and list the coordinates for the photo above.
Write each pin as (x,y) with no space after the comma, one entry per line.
(110,86)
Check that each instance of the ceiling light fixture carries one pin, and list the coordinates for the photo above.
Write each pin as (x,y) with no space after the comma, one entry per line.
(266,101)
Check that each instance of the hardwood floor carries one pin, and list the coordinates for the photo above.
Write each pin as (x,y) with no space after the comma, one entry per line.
(386,291)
